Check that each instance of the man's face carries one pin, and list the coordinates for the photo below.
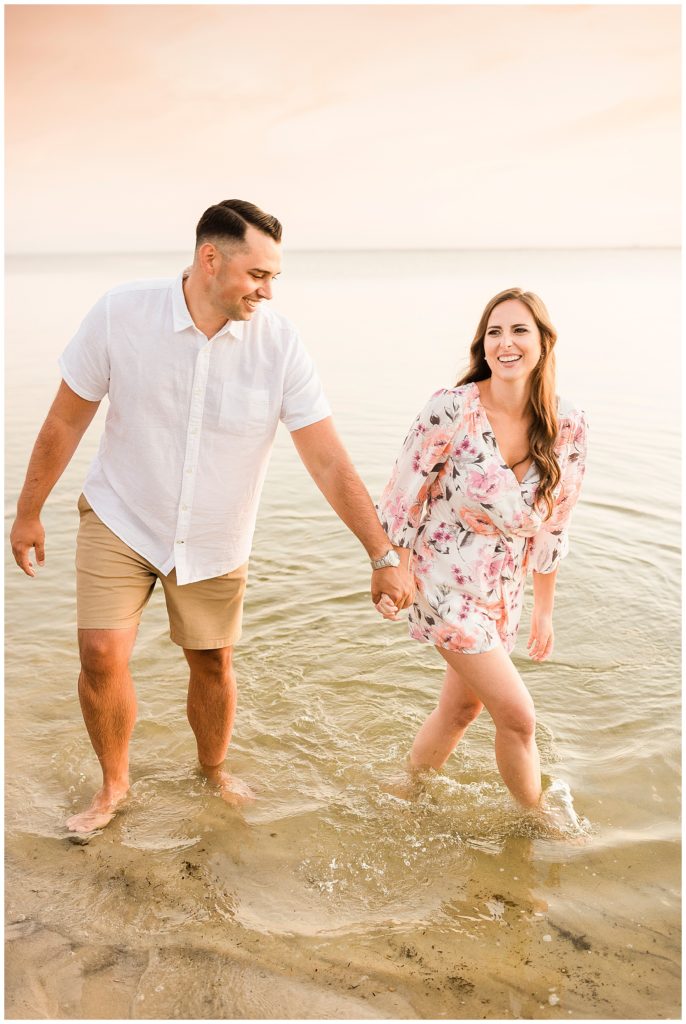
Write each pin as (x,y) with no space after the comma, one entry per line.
(244,273)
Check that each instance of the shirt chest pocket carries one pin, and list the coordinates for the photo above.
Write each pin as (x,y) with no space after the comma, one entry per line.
(243,410)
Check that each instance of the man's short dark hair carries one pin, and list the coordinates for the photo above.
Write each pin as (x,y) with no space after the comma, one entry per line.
(230,219)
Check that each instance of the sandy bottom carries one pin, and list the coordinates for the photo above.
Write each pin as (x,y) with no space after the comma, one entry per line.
(98,930)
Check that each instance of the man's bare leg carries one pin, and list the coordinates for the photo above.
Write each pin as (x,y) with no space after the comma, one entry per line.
(108,705)
(211,708)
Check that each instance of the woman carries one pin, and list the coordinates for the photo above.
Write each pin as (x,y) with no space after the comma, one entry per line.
(482,491)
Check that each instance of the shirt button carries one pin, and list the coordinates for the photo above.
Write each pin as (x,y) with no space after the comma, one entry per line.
(180,542)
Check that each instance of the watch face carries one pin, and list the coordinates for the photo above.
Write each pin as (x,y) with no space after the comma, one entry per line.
(391,560)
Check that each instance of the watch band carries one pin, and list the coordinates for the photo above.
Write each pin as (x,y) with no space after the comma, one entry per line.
(390,560)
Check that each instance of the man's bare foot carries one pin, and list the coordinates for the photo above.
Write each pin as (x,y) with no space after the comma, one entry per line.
(101,811)
(231,789)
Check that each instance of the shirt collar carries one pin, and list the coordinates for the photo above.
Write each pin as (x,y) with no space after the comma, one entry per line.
(183,319)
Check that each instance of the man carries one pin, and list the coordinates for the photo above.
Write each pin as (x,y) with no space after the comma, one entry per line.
(198,372)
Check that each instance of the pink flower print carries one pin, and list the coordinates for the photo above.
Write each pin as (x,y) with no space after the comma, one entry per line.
(488,571)
(422,563)
(459,576)
(430,451)
(571,433)
(396,512)
(453,637)
(415,512)
(578,438)
(520,523)
(440,535)
(479,522)
(508,563)
(564,503)
(515,599)
(390,486)
(471,420)
(484,486)
(564,434)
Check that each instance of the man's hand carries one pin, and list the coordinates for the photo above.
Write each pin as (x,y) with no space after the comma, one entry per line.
(397,584)
(27,532)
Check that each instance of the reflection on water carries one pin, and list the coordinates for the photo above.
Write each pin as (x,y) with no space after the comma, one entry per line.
(333,895)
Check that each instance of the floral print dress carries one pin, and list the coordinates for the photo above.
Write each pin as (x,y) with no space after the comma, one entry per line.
(472,526)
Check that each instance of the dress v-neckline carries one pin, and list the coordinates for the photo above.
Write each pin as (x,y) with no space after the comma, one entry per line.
(484,415)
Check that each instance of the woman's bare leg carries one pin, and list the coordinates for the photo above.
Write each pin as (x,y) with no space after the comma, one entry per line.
(494,680)
(458,706)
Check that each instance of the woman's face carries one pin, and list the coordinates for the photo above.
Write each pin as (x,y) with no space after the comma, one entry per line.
(512,343)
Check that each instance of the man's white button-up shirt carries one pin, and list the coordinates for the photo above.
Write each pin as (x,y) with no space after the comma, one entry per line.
(190,424)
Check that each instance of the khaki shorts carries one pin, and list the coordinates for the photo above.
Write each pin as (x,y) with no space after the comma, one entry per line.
(114,584)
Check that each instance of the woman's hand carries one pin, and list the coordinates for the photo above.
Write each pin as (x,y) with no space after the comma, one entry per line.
(541,638)
(386,608)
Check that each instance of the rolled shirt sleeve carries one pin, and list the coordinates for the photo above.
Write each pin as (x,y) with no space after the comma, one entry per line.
(85,363)
(424,451)
(551,543)
(304,401)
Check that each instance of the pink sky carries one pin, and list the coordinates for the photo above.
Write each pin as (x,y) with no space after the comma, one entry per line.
(370,127)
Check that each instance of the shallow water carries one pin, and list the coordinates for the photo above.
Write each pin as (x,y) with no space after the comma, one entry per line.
(331,896)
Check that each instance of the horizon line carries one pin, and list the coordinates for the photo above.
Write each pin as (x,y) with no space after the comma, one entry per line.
(373,249)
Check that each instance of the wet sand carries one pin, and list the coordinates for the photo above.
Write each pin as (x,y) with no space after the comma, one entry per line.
(505,947)
(329,898)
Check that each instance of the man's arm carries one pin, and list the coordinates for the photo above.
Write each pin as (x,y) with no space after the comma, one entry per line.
(330,466)
(58,439)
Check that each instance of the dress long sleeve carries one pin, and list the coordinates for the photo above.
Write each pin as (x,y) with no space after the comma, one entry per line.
(551,543)
(423,454)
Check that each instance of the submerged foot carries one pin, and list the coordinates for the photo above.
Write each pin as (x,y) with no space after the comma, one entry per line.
(102,809)
(557,808)
(411,784)
(231,789)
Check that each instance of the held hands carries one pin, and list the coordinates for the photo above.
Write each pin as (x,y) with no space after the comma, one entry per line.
(393,588)
(386,608)
(541,638)
(27,532)
(396,583)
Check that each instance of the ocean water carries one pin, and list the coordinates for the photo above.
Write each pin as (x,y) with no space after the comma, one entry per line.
(331,896)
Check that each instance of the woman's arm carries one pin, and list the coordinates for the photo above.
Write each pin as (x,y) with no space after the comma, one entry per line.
(550,545)
(541,638)
(423,453)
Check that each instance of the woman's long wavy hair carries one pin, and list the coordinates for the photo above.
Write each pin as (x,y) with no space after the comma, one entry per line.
(543,401)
